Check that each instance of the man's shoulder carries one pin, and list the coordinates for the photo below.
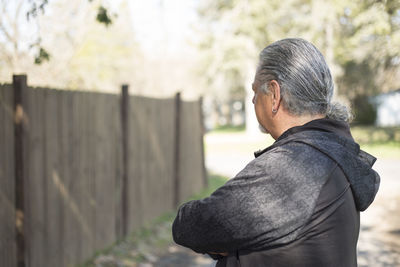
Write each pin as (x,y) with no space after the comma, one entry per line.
(316,139)
(292,151)
(289,161)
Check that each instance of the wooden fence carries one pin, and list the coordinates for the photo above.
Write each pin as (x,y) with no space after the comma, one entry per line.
(80,170)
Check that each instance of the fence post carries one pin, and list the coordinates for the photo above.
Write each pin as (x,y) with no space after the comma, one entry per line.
(125,157)
(176,149)
(202,132)
(19,85)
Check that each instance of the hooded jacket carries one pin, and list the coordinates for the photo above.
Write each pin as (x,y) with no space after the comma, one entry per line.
(296,204)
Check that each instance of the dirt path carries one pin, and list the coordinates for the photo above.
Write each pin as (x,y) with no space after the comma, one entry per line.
(181,257)
(379,242)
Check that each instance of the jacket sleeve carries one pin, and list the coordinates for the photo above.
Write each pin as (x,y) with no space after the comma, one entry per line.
(266,204)
(204,225)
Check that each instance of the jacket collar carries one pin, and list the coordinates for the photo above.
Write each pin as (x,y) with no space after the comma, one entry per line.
(323,125)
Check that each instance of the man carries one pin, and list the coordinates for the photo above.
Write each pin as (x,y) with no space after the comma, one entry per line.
(297,203)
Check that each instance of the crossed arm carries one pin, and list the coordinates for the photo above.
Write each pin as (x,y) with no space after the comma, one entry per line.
(257,209)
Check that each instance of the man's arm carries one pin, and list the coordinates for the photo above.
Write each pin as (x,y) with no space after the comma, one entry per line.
(203,225)
(234,217)
(265,205)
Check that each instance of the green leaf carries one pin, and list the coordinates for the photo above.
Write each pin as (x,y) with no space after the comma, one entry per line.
(103,16)
(42,56)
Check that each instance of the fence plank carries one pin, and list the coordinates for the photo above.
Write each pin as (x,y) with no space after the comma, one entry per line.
(34,178)
(201,141)
(116,153)
(91,160)
(54,183)
(136,170)
(105,215)
(19,86)
(67,180)
(106,132)
(78,145)
(191,166)
(86,178)
(7,174)
(177,152)
(125,157)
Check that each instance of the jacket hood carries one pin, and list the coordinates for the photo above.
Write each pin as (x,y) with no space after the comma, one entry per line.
(333,139)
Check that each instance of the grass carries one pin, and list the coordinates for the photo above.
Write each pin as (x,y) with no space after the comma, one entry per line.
(375,135)
(381,142)
(150,240)
(214,181)
(229,129)
(386,150)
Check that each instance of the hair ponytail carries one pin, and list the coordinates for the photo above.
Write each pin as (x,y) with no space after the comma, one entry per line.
(339,112)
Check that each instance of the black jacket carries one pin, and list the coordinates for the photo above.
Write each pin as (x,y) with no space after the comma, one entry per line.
(296,204)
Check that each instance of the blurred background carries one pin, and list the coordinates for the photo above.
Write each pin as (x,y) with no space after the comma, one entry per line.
(209,49)
(205,48)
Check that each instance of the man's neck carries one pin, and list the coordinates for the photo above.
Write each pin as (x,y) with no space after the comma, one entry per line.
(284,121)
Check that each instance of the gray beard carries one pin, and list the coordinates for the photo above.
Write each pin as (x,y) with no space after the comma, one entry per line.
(262,129)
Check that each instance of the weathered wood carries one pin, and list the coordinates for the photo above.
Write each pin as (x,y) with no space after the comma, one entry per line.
(19,84)
(107,132)
(87,176)
(45,178)
(68,177)
(53,177)
(34,179)
(92,159)
(191,166)
(66,191)
(136,170)
(104,181)
(116,172)
(78,211)
(201,133)
(125,157)
(8,247)
(177,149)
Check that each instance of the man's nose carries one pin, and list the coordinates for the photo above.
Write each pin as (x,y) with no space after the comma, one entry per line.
(254,100)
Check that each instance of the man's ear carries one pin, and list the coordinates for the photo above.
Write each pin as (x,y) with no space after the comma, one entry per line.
(275,90)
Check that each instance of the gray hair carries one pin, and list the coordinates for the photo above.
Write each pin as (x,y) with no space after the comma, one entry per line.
(303,76)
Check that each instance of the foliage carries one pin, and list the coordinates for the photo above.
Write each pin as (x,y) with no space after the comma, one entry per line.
(214,182)
(370,135)
(364,112)
(105,57)
(103,16)
(36,9)
(360,40)
(381,142)
(229,129)
(63,45)
(43,55)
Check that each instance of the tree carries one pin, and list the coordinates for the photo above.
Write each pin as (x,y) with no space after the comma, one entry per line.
(106,57)
(76,42)
(17,41)
(359,39)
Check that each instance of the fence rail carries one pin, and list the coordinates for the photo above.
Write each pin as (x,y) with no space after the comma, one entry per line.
(80,170)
